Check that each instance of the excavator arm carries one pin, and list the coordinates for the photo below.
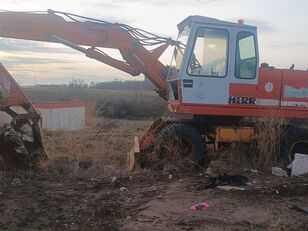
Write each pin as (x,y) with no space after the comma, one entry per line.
(20,139)
(140,50)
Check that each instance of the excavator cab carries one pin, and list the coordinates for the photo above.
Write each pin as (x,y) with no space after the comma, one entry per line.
(212,55)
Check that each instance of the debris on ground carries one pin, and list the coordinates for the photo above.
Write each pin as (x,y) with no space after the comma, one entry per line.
(300,209)
(254,171)
(200,206)
(223,180)
(228,188)
(276,171)
(208,171)
(16,181)
(123,189)
(38,200)
(299,165)
(113,179)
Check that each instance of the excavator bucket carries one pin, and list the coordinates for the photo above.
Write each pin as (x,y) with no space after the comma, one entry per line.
(20,138)
(138,156)
(133,155)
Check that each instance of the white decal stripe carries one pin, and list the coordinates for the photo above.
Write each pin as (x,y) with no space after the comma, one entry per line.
(267,102)
(275,102)
(294,104)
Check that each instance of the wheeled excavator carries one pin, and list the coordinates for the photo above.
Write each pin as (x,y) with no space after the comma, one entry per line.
(215,86)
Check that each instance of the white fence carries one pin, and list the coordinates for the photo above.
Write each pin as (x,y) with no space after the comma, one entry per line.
(57,116)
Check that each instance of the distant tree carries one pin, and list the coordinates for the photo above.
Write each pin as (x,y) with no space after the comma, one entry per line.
(92,84)
(77,83)
(132,85)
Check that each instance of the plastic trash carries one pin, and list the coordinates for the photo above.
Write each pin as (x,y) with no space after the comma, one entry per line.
(228,188)
(276,171)
(300,165)
(200,206)
(223,180)
(299,209)
(123,189)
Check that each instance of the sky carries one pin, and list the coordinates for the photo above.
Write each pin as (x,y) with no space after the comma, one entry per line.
(282,33)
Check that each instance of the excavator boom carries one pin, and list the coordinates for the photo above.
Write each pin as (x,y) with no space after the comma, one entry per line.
(20,138)
(140,50)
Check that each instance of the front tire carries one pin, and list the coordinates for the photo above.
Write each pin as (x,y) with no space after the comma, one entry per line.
(181,144)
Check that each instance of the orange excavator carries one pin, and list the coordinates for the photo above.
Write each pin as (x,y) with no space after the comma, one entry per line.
(214,81)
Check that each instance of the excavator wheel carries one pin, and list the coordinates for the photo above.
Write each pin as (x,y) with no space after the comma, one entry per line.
(182,145)
(294,140)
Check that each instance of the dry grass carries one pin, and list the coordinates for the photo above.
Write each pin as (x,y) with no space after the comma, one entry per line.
(96,151)
(171,159)
(91,114)
(137,106)
(83,153)
(262,154)
(268,137)
(173,154)
(109,103)
(234,159)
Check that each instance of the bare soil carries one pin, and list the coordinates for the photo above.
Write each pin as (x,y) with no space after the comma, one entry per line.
(114,199)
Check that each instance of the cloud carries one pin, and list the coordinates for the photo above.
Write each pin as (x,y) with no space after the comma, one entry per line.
(104,10)
(263,27)
(99,4)
(169,2)
(16,45)
(120,3)
(290,45)
(12,2)
(34,60)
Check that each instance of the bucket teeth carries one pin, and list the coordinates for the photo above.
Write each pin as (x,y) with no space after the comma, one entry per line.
(20,145)
(14,142)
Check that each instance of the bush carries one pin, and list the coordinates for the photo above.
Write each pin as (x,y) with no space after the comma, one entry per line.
(268,137)
(131,108)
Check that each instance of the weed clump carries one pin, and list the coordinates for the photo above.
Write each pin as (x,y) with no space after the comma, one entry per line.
(268,137)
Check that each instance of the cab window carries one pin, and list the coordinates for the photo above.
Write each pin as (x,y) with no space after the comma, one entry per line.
(210,53)
(246,59)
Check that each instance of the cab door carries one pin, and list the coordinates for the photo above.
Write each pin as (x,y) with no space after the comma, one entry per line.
(204,78)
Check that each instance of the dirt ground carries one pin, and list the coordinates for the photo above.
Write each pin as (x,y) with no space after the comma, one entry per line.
(82,196)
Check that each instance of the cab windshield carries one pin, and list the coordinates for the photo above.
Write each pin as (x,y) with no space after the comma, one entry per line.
(180,50)
(179,53)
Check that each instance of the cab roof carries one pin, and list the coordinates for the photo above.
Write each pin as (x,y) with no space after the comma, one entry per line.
(207,20)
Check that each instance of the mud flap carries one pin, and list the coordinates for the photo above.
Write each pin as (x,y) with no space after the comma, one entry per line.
(132,155)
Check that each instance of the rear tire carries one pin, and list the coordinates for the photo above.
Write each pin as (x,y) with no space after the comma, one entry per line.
(177,142)
(294,140)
